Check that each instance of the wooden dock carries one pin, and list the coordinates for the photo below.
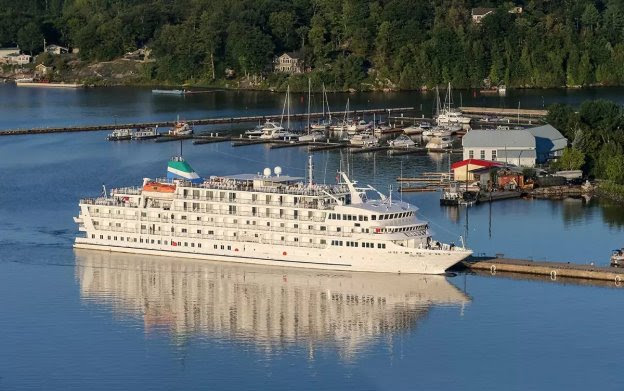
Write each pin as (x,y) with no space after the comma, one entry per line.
(207,121)
(552,270)
(503,112)
(327,146)
(164,139)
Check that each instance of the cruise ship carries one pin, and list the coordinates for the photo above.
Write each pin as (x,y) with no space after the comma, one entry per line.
(265,218)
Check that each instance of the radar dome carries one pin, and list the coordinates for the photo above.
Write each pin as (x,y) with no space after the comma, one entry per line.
(267,171)
(277,170)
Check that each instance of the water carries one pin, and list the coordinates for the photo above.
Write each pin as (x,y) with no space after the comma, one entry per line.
(73,320)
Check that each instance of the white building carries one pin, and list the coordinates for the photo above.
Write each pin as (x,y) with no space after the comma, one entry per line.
(56,49)
(5,52)
(18,59)
(515,147)
(479,13)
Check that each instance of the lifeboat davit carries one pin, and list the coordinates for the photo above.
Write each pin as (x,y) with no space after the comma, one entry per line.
(159,187)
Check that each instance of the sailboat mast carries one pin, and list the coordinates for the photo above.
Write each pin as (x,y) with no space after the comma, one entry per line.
(309,95)
(288,100)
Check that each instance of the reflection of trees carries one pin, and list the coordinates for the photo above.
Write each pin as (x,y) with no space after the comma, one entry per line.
(612,213)
(269,307)
(574,210)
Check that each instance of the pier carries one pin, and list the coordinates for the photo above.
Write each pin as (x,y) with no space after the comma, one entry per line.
(551,270)
(503,112)
(206,121)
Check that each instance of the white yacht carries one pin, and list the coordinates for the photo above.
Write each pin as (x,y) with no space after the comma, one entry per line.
(417,129)
(313,136)
(255,132)
(265,218)
(120,134)
(439,143)
(274,131)
(402,141)
(364,139)
(146,134)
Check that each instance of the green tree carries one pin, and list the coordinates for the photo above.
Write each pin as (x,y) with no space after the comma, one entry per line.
(30,38)
(571,159)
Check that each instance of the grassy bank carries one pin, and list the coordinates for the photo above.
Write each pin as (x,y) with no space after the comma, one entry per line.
(611,190)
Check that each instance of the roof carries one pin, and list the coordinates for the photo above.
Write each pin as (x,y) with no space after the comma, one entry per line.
(498,139)
(548,138)
(476,162)
(482,11)
(273,178)
(296,55)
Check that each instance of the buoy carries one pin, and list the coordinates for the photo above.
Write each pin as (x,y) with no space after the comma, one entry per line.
(493,269)
(553,275)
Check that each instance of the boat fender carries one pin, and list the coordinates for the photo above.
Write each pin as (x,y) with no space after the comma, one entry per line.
(493,269)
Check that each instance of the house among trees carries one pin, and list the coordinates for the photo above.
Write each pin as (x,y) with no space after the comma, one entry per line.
(42,70)
(16,59)
(56,49)
(480,13)
(291,62)
(5,52)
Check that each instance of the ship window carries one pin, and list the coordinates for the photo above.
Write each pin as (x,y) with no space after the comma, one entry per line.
(183,217)
(192,244)
(210,232)
(152,241)
(199,245)
(296,239)
(295,225)
(92,236)
(166,242)
(143,214)
(338,229)
(323,241)
(183,230)
(199,231)
(222,247)
(185,244)
(323,228)
(229,247)
(268,223)
(374,217)
(215,246)
(140,240)
(158,241)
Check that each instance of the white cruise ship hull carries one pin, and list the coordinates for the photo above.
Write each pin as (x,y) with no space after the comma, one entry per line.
(400,260)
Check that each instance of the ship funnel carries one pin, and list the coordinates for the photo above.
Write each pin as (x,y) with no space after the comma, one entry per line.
(178,168)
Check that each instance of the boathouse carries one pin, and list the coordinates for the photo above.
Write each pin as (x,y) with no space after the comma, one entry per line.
(512,147)
(549,142)
(473,170)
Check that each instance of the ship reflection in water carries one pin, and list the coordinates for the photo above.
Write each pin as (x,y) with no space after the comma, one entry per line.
(268,307)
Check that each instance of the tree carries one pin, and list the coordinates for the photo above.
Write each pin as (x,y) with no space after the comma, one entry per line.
(30,38)
(571,159)
(614,169)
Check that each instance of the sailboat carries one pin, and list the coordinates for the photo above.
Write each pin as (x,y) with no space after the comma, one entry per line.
(342,126)
(274,131)
(312,135)
(450,115)
(323,123)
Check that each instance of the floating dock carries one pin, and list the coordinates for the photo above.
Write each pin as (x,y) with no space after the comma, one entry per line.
(552,270)
(503,112)
(207,121)
(165,139)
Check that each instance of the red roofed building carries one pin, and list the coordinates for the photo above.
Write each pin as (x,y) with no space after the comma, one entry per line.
(466,170)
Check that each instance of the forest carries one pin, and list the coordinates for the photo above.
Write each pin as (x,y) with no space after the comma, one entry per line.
(596,133)
(402,44)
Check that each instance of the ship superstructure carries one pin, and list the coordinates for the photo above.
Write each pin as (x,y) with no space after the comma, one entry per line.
(265,218)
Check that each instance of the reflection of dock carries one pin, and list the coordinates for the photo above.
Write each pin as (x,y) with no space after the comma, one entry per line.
(268,306)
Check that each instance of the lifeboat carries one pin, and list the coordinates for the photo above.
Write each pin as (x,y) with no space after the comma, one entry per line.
(159,187)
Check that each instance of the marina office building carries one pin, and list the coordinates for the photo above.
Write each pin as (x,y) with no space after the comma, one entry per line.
(523,148)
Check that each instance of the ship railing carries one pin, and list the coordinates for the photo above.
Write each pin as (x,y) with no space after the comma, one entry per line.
(127,190)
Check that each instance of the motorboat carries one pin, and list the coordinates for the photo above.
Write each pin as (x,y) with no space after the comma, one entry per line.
(255,132)
(274,131)
(439,143)
(119,135)
(617,257)
(180,128)
(364,139)
(313,136)
(402,141)
(146,134)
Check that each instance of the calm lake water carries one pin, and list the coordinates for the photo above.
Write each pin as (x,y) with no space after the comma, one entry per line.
(75,320)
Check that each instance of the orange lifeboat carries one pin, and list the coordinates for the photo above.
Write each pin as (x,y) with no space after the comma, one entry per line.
(159,187)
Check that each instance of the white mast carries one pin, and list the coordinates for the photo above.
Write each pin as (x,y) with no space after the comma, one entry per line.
(288,100)
(309,92)
(310,170)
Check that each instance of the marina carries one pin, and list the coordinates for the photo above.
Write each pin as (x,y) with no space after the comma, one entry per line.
(155,321)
